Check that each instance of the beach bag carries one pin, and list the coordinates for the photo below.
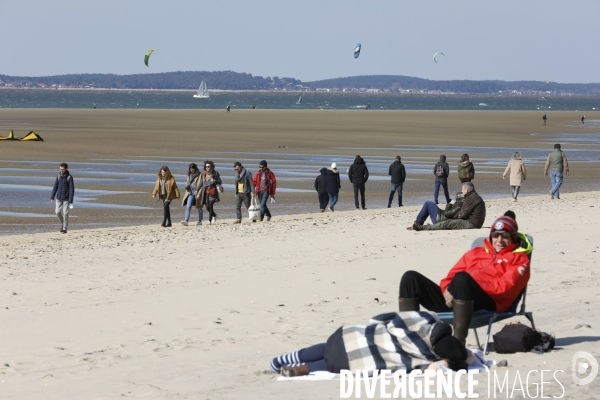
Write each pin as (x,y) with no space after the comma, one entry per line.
(254,209)
(517,338)
(211,191)
(440,171)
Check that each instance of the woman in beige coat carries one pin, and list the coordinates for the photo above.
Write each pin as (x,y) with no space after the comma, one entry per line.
(517,174)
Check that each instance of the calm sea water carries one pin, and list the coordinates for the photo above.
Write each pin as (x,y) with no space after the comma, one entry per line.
(54,99)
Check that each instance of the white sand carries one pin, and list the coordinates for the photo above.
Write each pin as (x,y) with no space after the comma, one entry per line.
(199,313)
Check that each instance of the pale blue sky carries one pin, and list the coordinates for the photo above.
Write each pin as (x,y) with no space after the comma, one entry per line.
(307,40)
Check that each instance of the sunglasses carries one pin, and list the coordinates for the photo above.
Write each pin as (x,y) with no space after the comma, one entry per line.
(505,235)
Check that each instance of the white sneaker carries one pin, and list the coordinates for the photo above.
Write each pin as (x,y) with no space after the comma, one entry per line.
(184,223)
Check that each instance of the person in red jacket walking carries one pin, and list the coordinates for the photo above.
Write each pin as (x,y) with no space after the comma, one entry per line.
(265,185)
(489,278)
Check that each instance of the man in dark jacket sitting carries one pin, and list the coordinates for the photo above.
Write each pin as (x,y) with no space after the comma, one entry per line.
(358,175)
(321,188)
(470,216)
(63,190)
(398,174)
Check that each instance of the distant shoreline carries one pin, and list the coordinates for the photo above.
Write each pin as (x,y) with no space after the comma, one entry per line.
(294,93)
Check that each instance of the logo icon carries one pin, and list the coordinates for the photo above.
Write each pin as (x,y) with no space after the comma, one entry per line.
(581,367)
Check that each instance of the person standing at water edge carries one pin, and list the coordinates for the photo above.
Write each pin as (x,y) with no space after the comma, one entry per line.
(582,120)
(321,188)
(517,174)
(556,164)
(244,189)
(228,109)
(359,175)
(211,188)
(63,191)
(544,118)
(333,185)
(265,185)
(466,171)
(398,174)
(441,170)
(193,185)
(167,191)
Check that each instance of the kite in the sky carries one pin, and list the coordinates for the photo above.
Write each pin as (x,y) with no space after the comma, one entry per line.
(435,55)
(357,50)
(147,56)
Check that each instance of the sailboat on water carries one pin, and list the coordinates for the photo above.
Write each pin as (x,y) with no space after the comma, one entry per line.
(202,91)
(299,100)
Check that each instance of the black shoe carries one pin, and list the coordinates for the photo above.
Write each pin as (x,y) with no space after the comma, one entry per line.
(389,205)
(163,224)
(400,205)
(436,202)
(64,231)
(364,208)
(167,225)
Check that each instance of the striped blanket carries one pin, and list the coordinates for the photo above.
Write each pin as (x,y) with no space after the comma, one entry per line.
(393,341)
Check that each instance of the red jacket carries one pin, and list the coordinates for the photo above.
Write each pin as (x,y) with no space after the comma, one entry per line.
(501,275)
(271,182)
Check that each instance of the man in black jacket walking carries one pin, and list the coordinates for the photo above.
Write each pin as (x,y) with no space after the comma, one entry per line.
(358,175)
(398,174)
(441,172)
(321,188)
(63,191)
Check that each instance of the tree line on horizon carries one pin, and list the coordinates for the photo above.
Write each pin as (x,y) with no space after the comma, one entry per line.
(230,80)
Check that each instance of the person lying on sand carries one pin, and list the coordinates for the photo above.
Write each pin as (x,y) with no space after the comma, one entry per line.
(490,278)
(392,341)
(470,215)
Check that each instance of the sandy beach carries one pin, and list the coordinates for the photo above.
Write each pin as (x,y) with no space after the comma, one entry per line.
(114,156)
(194,313)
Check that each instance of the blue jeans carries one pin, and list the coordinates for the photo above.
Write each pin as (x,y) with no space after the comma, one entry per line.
(556,178)
(359,187)
(396,187)
(333,199)
(430,210)
(444,183)
(264,210)
(188,207)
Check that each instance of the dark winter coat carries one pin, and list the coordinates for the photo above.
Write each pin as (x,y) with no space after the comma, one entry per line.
(358,172)
(321,181)
(64,188)
(333,181)
(444,165)
(472,210)
(397,172)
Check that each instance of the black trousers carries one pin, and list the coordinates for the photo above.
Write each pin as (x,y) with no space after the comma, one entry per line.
(166,212)
(323,200)
(462,287)
(211,210)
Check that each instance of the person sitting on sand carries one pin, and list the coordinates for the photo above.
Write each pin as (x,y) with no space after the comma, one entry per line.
(436,214)
(485,278)
(392,341)
(470,215)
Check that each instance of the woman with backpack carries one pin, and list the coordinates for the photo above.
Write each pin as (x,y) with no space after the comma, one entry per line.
(466,171)
(517,174)
(167,190)
(211,187)
(193,184)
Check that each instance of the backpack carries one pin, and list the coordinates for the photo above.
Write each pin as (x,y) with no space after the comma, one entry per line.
(521,338)
(440,171)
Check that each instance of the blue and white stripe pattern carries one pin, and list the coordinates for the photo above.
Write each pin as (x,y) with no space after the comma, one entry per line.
(290,359)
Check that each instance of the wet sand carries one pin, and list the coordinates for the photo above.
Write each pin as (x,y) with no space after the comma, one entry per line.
(302,141)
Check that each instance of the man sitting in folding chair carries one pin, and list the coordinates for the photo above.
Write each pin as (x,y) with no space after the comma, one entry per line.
(489,278)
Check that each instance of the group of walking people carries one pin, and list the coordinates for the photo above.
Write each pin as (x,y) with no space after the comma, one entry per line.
(203,189)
